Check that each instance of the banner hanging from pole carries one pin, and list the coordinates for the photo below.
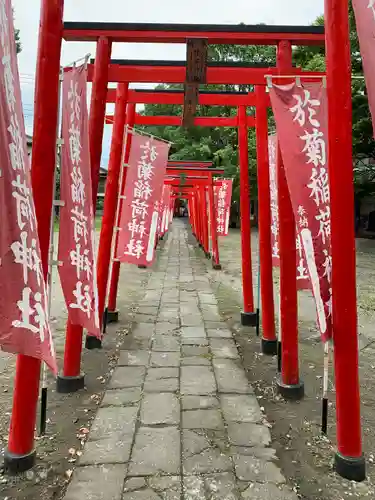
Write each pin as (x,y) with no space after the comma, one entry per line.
(140,212)
(301,121)
(364,11)
(24,322)
(77,267)
(223,201)
(303,280)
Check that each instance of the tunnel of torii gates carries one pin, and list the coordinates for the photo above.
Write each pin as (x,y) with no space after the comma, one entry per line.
(349,459)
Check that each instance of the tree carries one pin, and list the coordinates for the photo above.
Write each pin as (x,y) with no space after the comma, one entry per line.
(18,39)
(313,59)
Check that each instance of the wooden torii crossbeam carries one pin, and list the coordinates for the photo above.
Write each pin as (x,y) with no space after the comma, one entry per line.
(127,71)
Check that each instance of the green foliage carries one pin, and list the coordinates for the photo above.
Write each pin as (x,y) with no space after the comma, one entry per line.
(18,39)
(220,145)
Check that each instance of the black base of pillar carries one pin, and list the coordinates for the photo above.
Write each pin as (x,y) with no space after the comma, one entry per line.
(142,266)
(350,468)
(66,385)
(292,392)
(200,245)
(279,358)
(161,237)
(208,255)
(257,326)
(269,347)
(16,464)
(93,343)
(112,317)
(249,319)
(216,267)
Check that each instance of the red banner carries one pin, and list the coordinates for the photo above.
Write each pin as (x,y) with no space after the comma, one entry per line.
(24,321)
(140,213)
(303,280)
(165,215)
(365,20)
(223,201)
(301,122)
(76,255)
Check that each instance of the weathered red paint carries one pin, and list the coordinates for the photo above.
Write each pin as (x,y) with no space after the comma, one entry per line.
(26,386)
(213,222)
(264,217)
(247,274)
(344,314)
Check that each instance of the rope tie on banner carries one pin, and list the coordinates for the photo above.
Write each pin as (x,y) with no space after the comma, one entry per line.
(133,130)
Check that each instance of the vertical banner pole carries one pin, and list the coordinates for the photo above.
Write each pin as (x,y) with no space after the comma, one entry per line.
(349,458)
(248,316)
(115,275)
(20,454)
(44,391)
(265,277)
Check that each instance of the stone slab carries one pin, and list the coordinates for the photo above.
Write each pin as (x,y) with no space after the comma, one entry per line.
(246,434)
(161,380)
(231,377)
(118,397)
(160,408)
(254,469)
(193,332)
(220,333)
(113,450)
(97,483)
(197,380)
(133,358)
(196,361)
(162,359)
(202,419)
(223,348)
(113,420)
(219,486)
(240,408)
(258,491)
(199,402)
(165,343)
(127,376)
(156,451)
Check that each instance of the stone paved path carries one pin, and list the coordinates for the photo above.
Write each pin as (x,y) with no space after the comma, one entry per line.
(179,419)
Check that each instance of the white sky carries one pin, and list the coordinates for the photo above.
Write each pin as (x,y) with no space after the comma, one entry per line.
(290,12)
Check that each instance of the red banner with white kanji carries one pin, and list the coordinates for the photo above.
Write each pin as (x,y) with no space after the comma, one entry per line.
(223,201)
(77,267)
(301,121)
(24,321)
(139,218)
(303,280)
(364,11)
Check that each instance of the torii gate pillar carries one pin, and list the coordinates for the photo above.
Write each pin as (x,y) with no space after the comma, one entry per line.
(269,341)
(349,459)
(248,316)
(20,454)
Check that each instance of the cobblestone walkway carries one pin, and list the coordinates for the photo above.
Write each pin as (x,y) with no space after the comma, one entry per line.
(179,419)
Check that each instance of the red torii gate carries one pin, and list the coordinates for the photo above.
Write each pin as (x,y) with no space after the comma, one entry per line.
(350,463)
(198,185)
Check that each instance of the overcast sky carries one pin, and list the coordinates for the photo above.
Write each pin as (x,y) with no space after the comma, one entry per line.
(292,12)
